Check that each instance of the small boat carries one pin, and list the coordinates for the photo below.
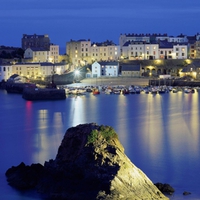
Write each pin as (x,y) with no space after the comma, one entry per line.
(95,91)
(116,91)
(154,91)
(108,91)
(125,91)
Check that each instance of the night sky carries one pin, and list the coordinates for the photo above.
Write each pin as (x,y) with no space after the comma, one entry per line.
(97,20)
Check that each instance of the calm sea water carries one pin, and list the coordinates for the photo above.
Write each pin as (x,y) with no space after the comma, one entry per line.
(160,134)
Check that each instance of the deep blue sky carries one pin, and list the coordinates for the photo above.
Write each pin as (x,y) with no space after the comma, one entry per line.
(97,20)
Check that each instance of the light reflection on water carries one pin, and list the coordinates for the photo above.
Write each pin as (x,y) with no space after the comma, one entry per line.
(160,133)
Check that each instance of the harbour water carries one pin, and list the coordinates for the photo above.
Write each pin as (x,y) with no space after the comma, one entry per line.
(160,134)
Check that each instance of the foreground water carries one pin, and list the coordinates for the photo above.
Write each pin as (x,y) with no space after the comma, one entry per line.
(160,134)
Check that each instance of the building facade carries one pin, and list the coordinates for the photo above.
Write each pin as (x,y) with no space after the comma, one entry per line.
(100,69)
(82,52)
(36,41)
(140,51)
(78,52)
(105,51)
(43,55)
(131,70)
(5,71)
(32,70)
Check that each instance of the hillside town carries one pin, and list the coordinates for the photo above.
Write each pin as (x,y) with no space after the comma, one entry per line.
(136,55)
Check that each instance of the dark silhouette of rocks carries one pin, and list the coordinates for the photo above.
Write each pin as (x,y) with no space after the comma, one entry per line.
(165,188)
(186,193)
(90,164)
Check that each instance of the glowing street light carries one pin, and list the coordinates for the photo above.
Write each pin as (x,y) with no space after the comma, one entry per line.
(76,75)
(76,72)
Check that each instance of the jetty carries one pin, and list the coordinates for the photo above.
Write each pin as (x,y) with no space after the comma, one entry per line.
(33,94)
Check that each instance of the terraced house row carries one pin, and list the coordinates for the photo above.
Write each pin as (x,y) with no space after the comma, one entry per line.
(135,47)
(42,58)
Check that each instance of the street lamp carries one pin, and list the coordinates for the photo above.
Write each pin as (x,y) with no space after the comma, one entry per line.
(76,74)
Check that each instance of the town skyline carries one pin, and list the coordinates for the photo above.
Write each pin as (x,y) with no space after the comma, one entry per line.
(97,21)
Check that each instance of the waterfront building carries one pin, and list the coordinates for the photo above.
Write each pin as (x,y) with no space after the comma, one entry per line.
(180,51)
(105,51)
(32,70)
(43,55)
(139,51)
(78,52)
(178,39)
(104,68)
(82,52)
(170,50)
(131,70)
(193,46)
(197,49)
(147,38)
(192,70)
(35,41)
(5,71)
(38,70)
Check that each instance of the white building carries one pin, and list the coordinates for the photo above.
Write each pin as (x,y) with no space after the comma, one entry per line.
(100,69)
(42,55)
(170,50)
(37,54)
(179,39)
(180,51)
(147,38)
(5,71)
(140,51)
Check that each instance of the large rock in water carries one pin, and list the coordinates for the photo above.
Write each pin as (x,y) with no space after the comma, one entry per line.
(91,164)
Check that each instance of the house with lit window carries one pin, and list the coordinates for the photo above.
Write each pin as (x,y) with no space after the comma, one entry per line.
(191,70)
(170,50)
(104,51)
(38,70)
(140,51)
(38,54)
(78,52)
(100,69)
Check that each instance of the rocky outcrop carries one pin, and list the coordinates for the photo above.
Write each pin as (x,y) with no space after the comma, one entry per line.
(90,164)
(165,188)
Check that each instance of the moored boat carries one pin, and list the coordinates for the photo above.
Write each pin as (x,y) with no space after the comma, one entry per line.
(95,91)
